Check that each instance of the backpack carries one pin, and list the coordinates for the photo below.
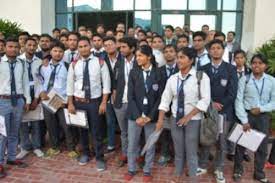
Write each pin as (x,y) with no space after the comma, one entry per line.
(67,65)
(209,123)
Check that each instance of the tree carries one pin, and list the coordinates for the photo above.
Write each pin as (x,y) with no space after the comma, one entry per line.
(9,28)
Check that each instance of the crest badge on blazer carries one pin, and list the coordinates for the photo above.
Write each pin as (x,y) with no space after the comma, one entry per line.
(223,82)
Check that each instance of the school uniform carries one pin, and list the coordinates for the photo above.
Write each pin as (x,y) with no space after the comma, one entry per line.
(88,79)
(121,78)
(171,41)
(255,93)
(165,139)
(33,127)
(14,91)
(202,59)
(183,92)
(54,77)
(224,83)
(144,91)
(70,56)
(101,53)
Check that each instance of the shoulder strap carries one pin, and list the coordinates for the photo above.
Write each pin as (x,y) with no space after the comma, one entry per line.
(247,78)
(199,75)
(67,65)
(23,63)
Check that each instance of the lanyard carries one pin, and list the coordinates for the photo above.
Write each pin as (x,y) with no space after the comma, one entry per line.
(260,92)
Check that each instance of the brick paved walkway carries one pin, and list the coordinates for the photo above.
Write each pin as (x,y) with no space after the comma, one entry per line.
(62,169)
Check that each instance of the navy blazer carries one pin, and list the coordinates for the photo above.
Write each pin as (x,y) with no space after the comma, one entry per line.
(224,85)
(119,81)
(136,93)
(164,77)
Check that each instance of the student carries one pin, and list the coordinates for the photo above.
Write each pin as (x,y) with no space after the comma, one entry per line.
(110,33)
(199,45)
(98,50)
(131,32)
(157,46)
(22,37)
(111,59)
(205,29)
(64,39)
(128,46)
(45,45)
(13,93)
(100,29)
(88,88)
(231,44)
(149,40)
(2,48)
(31,129)
(224,81)
(188,102)
(56,33)
(55,77)
(120,27)
(271,160)
(144,91)
(167,71)
(241,66)
(182,42)
(168,35)
(119,35)
(255,99)
(227,56)
(141,35)
(82,30)
(71,54)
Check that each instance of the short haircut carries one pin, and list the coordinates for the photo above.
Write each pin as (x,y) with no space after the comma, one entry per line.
(232,32)
(75,34)
(84,38)
(109,38)
(205,25)
(200,34)
(120,31)
(56,29)
(261,57)
(12,39)
(142,31)
(131,42)
(3,41)
(46,36)
(35,35)
(169,46)
(24,33)
(218,34)
(30,39)
(215,41)
(237,52)
(183,36)
(57,44)
(100,25)
(158,36)
(169,27)
(63,35)
(97,35)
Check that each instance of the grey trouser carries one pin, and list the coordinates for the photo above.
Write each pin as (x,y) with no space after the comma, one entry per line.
(121,115)
(186,142)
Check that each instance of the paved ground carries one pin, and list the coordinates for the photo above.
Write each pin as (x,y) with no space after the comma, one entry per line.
(62,169)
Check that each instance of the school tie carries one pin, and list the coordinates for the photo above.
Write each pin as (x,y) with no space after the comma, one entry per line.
(171,70)
(146,84)
(30,78)
(86,80)
(13,85)
(72,56)
(215,70)
(52,77)
(240,74)
(97,54)
(180,107)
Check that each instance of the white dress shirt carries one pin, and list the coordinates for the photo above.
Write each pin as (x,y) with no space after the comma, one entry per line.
(128,66)
(68,55)
(100,81)
(203,58)
(159,57)
(21,78)
(191,94)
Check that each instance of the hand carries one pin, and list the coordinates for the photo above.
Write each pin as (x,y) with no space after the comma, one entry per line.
(255,111)
(246,127)
(159,125)
(147,119)
(183,121)
(113,98)
(34,104)
(27,107)
(140,121)
(44,96)
(217,106)
(102,108)
(71,108)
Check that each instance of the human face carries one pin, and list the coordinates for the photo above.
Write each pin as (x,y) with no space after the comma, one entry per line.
(12,49)
(131,32)
(157,43)
(119,35)
(45,43)
(230,37)
(205,29)
(30,47)
(182,43)
(240,60)
(125,49)
(168,33)
(178,31)
(57,53)
(210,35)
(216,51)
(110,46)
(149,40)
(64,40)
(198,43)
(183,61)
(257,66)
(120,27)
(84,48)
(141,36)
(97,42)
(142,59)
(72,42)
(56,34)
(100,30)
(169,54)
(110,33)
(2,48)
(22,40)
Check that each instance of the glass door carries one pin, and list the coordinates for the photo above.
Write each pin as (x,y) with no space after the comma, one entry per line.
(197,21)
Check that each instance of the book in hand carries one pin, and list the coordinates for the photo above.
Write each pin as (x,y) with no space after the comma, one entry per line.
(250,139)
(34,115)
(55,101)
(78,119)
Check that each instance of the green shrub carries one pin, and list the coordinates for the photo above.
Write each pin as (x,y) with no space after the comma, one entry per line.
(9,28)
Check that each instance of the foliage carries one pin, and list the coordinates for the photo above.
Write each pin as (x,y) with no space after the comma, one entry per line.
(9,28)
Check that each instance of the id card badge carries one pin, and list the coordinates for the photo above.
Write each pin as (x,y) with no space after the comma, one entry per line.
(145,101)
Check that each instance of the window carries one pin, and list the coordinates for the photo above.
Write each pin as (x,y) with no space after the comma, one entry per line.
(142,4)
(143,19)
(197,4)
(197,21)
(173,4)
(63,6)
(123,4)
(229,4)
(228,22)
(172,19)
(87,5)
(64,20)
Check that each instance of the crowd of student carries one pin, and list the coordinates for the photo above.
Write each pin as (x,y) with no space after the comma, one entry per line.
(142,81)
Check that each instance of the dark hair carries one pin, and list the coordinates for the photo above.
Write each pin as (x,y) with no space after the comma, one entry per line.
(11,39)
(74,33)
(232,32)
(84,38)
(191,53)
(64,28)
(35,35)
(23,34)
(215,41)
(218,34)
(142,40)
(200,34)
(57,44)
(158,36)
(120,31)
(205,25)
(3,41)
(169,46)
(169,27)
(109,38)
(259,56)
(63,35)
(142,31)
(100,25)
(120,23)
(97,35)
(147,50)
(183,36)
(46,36)
(30,39)
(56,29)
(237,52)
(131,42)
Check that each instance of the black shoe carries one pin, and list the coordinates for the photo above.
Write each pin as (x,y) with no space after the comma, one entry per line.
(18,163)
(230,157)
(237,176)
(262,180)
(246,158)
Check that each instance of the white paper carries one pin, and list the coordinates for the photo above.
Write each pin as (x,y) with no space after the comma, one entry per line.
(34,115)
(236,133)
(3,130)
(78,119)
(55,101)
(221,123)
(153,138)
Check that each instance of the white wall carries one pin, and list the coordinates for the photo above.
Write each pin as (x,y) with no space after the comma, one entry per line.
(35,16)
